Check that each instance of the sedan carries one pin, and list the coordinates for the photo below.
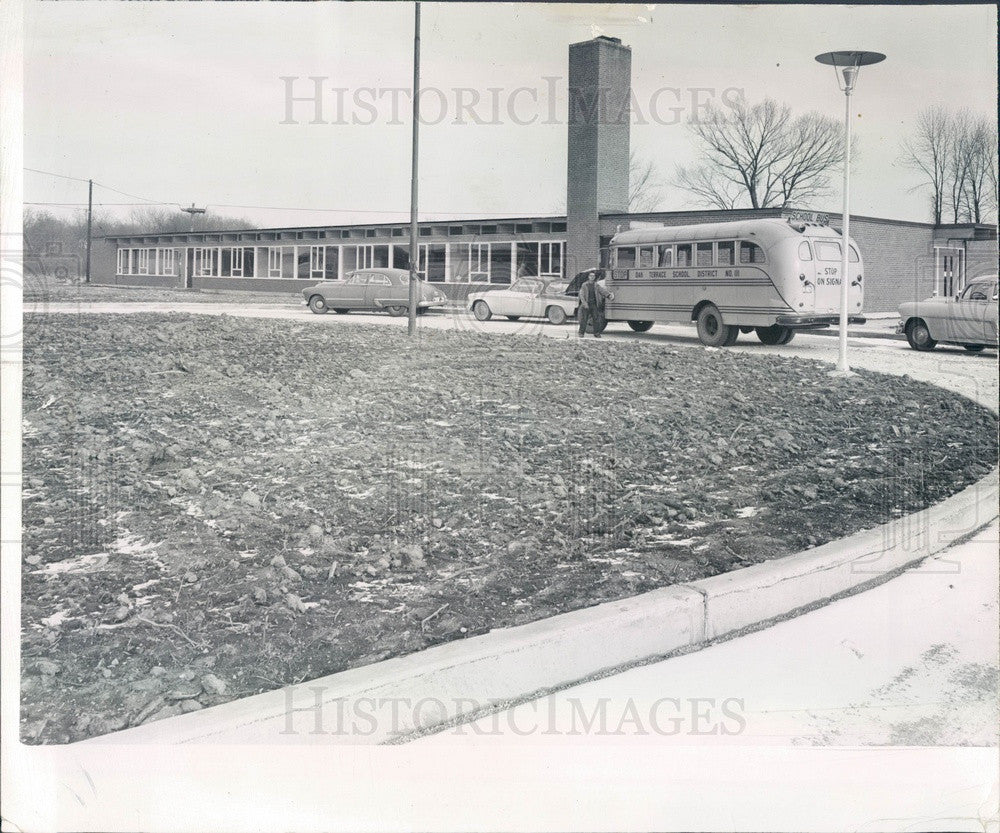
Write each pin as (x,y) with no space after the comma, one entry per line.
(372,289)
(525,298)
(969,319)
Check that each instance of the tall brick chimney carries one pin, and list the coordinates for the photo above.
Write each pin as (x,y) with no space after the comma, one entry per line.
(600,72)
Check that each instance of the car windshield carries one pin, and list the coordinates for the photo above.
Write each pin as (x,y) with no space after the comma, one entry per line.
(527,286)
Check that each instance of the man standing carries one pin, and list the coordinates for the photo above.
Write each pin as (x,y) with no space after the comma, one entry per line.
(593,296)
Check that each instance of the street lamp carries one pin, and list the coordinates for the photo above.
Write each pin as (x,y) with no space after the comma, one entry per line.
(846,66)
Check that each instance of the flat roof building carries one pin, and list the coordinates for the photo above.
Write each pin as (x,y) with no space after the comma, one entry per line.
(903,260)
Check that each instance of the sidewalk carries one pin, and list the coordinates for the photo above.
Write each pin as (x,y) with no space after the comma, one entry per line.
(912,662)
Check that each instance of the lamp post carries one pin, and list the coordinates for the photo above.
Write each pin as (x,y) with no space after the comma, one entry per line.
(847,65)
(411,322)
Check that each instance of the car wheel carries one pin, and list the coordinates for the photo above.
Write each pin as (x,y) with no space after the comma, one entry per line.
(640,326)
(919,336)
(556,315)
(513,317)
(711,330)
(974,348)
(341,310)
(396,311)
(771,335)
(482,311)
(317,304)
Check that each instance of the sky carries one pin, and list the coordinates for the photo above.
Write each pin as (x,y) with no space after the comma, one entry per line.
(184,102)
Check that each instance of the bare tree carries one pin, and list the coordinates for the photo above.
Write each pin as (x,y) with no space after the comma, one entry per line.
(644,185)
(980,151)
(955,151)
(42,227)
(762,155)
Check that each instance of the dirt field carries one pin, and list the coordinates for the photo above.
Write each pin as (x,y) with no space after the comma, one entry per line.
(214,507)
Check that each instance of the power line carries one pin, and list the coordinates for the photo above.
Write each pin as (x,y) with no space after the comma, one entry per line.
(147,201)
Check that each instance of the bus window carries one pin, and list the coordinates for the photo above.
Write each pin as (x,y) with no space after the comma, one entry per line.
(805,253)
(625,258)
(726,250)
(828,250)
(751,253)
(646,257)
(684,254)
(666,255)
(852,254)
(704,252)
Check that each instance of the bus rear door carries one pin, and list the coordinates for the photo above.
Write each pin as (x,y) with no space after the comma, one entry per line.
(827,255)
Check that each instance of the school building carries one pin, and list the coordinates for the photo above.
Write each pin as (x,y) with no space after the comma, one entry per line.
(903,260)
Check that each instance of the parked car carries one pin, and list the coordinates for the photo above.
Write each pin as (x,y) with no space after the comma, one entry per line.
(372,289)
(969,319)
(525,298)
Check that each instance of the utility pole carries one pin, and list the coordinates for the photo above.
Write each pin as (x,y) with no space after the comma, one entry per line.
(90,222)
(411,325)
(192,211)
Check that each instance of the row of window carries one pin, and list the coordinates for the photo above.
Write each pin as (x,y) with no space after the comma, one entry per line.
(719,253)
(680,255)
(457,262)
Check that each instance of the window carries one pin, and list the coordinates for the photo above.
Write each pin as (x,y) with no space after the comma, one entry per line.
(379,280)
(646,257)
(273,262)
(975,292)
(666,256)
(358,278)
(703,252)
(168,261)
(143,261)
(455,230)
(751,253)
(122,265)
(550,255)
(852,254)
(501,269)
(684,254)
(828,250)
(331,260)
(726,253)
(625,257)
(479,262)
(527,259)
(432,260)
(236,261)
(370,232)
(317,262)
(528,286)
(805,253)
(365,256)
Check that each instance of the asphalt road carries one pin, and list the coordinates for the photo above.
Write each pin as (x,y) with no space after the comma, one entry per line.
(951,367)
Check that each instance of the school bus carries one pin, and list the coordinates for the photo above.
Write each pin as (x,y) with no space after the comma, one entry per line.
(773,276)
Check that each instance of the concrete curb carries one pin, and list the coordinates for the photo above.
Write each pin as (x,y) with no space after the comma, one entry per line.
(448,683)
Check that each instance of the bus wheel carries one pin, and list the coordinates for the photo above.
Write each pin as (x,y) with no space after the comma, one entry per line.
(640,326)
(711,330)
(788,336)
(734,333)
(771,335)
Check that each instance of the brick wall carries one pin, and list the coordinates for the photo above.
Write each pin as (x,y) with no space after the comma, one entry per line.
(899,262)
(600,73)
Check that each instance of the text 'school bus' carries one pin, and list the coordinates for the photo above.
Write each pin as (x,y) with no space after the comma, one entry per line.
(773,276)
